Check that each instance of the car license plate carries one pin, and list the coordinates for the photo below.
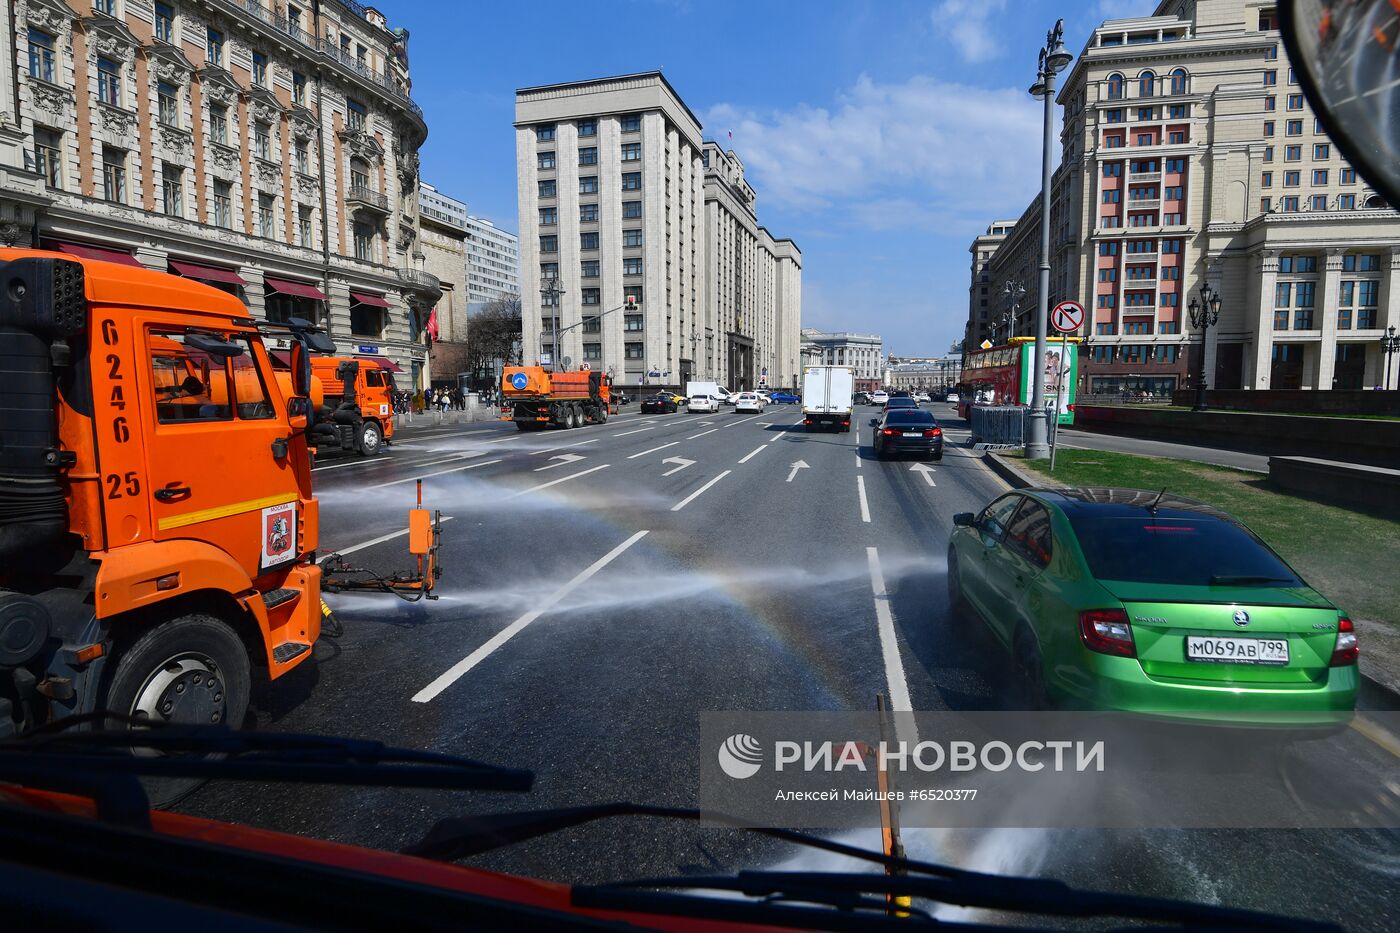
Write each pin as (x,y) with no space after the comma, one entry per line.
(913,433)
(1237,650)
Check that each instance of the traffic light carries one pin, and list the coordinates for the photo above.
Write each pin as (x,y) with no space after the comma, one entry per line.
(629,303)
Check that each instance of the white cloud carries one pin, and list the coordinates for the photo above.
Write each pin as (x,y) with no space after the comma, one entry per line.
(922,154)
(968,24)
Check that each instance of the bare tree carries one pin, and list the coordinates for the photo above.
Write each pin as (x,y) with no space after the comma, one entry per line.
(494,335)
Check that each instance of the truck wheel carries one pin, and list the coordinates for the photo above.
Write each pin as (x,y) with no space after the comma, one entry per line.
(602,414)
(575,416)
(371,438)
(192,670)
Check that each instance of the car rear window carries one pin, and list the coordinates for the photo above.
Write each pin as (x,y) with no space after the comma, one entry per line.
(1178,549)
(912,416)
(902,403)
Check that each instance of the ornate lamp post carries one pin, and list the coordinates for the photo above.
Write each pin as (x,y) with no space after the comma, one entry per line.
(550,294)
(1204,313)
(1015,291)
(1390,345)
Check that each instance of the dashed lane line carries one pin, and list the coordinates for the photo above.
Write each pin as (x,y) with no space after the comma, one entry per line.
(696,494)
(653,450)
(749,456)
(556,482)
(702,434)
(460,469)
(864,505)
(895,681)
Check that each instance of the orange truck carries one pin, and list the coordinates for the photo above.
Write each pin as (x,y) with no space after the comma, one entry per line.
(535,398)
(157,520)
(358,411)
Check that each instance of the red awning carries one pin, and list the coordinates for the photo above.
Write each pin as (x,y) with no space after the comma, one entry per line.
(98,252)
(193,270)
(382,362)
(296,289)
(365,298)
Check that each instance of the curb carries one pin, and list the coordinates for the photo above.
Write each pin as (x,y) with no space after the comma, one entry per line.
(1387,695)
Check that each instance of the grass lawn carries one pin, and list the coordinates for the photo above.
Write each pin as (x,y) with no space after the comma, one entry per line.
(1347,555)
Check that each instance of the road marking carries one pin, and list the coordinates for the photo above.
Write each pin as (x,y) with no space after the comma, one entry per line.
(797,465)
(681,460)
(536,453)
(458,670)
(373,541)
(637,431)
(412,464)
(564,460)
(556,482)
(925,469)
(353,463)
(742,420)
(864,505)
(688,499)
(461,469)
(704,422)
(859,458)
(1376,734)
(702,434)
(746,457)
(895,681)
(653,450)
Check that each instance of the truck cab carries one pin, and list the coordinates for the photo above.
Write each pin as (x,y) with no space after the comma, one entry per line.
(357,413)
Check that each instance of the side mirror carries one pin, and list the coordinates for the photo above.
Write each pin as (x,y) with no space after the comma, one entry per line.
(301,370)
(874,422)
(297,412)
(965,520)
(216,347)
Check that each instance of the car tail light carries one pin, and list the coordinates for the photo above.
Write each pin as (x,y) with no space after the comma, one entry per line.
(1347,649)
(1107,631)
(807,421)
(845,424)
(934,432)
(889,432)
(1070,407)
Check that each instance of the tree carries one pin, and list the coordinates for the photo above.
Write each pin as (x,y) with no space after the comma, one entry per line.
(493,338)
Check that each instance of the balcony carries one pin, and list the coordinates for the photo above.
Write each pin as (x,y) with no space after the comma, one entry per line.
(1145,204)
(1139,309)
(1144,176)
(363,197)
(426,286)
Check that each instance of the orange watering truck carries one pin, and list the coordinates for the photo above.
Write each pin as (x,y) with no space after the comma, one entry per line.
(535,398)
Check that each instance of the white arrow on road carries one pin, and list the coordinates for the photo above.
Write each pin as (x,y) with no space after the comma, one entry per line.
(925,469)
(797,465)
(562,458)
(681,460)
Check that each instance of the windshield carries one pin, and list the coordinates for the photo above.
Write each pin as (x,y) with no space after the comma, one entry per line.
(723,365)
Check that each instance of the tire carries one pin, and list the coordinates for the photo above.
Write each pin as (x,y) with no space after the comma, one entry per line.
(172,663)
(575,416)
(602,414)
(938,456)
(1030,671)
(371,438)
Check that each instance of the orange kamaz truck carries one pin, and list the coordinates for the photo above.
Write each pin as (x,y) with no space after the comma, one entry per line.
(157,521)
(358,410)
(535,398)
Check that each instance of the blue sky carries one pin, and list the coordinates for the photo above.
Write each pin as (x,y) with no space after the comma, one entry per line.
(881,135)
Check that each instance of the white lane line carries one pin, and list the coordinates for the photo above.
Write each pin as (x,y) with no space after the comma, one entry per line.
(637,431)
(688,499)
(556,482)
(895,681)
(742,420)
(536,453)
(373,541)
(749,455)
(859,458)
(653,450)
(702,434)
(458,670)
(410,464)
(461,469)
(864,505)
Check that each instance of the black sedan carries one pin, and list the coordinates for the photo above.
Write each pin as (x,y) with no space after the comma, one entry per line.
(660,404)
(907,430)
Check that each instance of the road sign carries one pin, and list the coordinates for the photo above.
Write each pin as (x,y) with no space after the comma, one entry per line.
(985,345)
(1067,317)
(519,381)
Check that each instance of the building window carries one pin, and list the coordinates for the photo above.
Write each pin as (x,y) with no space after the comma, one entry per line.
(592,352)
(544,134)
(1178,84)
(106,7)
(1176,137)
(1112,169)
(632,351)
(1113,116)
(1289,205)
(1112,197)
(262,141)
(1346,176)
(1108,275)
(588,128)
(631,181)
(299,88)
(1292,153)
(1108,249)
(632,123)
(634,292)
(260,69)
(172,190)
(1293,128)
(356,114)
(632,237)
(41,56)
(214,47)
(549,216)
(1146,113)
(1270,104)
(1266,205)
(48,156)
(1271,78)
(1319,176)
(1147,84)
(165,23)
(549,270)
(1174,193)
(632,265)
(168,104)
(548,188)
(1346,202)
(588,241)
(545,160)
(590,296)
(1171,273)
(593,325)
(1268,127)
(1268,153)
(302,151)
(109,82)
(1268,20)
(1271,54)
(549,244)
(1113,141)
(631,152)
(1266,180)
(1147,139)
(632,323)
(631,210)
(218,124)
(114,175)
(588,213)
(364,242)
(305,232)
(1295,102)
(267,216)
(366,320)
(1290,179)
(223,205)
(588,269)
(1115,87)
(1107,301)
(1321,152)
(588,184)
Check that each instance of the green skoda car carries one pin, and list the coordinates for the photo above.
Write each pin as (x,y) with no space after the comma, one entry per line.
(1120,599)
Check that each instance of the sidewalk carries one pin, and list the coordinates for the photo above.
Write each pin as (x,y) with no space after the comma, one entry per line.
(1092,440)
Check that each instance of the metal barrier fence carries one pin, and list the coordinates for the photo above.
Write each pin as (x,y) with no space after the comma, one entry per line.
(999,425)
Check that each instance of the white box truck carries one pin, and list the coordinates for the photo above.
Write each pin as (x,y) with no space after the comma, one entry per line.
(827,392)
(693,389)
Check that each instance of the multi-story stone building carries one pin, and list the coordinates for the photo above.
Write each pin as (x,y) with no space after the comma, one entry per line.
(864,352)
(1190,155)
(271,152)
(617,203)
(443,224)
(928,374)
(982,313)
(493,262)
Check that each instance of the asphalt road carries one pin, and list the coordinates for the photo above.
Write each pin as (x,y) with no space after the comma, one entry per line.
(604,585)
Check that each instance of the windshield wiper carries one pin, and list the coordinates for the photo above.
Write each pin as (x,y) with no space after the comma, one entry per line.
(1226,579)
(850,893)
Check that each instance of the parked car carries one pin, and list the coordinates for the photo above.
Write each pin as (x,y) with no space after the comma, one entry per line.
(782,397)
(662,403)
(748,402)
(879,397)
(1131,600)
(907,430)
(705,403)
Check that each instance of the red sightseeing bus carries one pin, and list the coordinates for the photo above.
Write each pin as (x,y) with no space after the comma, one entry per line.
(999,375)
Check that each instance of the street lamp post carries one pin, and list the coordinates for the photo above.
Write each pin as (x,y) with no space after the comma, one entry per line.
(1014,290)
(1389,345)
(1204,314)
(1053,60)
(550,293)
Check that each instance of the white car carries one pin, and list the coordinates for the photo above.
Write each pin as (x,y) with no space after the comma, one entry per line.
(748,401)
(705,403)
(922,397)
(879,397)
(951,397)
